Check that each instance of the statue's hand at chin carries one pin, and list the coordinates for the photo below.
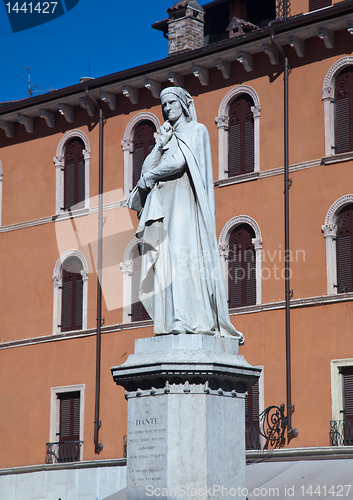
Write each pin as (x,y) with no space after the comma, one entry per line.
(166,132)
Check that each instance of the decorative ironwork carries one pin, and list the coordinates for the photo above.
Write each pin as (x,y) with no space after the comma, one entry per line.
(283,9)
(66,451)
(272,426)
(341,432)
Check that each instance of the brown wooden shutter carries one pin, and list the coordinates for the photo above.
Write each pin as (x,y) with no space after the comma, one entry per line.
(69,426)
(138,312)
(344,111)
(143,144)
(344,245)
(241,137)
(74,174)
(252,411)
(347,373)
(319,4)
(242,267)
(72,296)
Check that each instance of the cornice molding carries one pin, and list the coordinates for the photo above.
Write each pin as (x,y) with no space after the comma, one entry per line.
(62,217)
(294,303)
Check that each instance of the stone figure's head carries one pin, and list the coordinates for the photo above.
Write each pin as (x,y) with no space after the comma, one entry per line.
(175,101)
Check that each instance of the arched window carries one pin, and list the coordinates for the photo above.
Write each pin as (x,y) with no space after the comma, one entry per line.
(72,171)
(133,309)
(241,136)
(72,295)
(319,4)
(344,246)
(344,111)
(74,174)
(241,267)
(339,244)
(238,124)
(240,245)
(70,280)
(143,144)
(137,143)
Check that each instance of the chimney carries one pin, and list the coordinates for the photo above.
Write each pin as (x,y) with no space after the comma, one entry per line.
(185,26)
(240,27)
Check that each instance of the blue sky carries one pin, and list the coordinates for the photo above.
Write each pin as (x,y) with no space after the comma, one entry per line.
(116,33)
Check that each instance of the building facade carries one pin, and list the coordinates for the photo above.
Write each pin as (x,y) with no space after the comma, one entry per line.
(223,54)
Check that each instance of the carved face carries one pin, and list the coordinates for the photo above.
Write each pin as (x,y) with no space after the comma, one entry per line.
(171,107)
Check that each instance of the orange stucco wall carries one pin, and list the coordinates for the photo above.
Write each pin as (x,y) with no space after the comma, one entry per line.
(28,256)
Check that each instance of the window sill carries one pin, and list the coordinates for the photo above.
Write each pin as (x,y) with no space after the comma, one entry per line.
(340,157)
(252,176)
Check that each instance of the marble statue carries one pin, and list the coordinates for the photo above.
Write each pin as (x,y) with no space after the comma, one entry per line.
(182,285)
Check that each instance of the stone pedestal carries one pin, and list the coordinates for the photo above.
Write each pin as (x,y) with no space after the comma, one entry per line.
(186,412)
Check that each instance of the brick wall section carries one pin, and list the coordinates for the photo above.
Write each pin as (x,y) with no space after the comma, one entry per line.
(186,32)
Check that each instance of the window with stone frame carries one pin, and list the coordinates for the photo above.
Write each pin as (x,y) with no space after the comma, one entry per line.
(344,111)
(252,418)
(74,174)
(344,246)
(66,424)
(143,143)
(69,427)
(319,4)
(341,432)
(72,295)
(241,136)
(138,312)
(241,267)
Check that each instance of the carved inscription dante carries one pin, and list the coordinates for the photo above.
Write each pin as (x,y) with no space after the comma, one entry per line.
(147,451)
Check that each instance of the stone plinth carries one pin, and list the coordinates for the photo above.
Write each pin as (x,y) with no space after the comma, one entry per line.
(186,411)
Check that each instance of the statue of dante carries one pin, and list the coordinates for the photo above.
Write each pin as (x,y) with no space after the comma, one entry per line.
(181,286)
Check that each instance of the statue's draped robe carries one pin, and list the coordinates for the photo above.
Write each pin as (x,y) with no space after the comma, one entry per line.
(182,286)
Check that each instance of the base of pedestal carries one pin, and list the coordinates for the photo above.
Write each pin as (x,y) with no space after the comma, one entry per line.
(186,411)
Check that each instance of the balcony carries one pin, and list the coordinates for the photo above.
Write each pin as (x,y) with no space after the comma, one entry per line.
(69,451)
(252,437)
(341,432)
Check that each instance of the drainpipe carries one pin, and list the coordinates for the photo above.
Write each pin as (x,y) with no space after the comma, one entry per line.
(98,447)
(291,433)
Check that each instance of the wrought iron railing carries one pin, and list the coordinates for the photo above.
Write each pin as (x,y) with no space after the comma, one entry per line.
(252,437)
(67,451)
(268,431)
(341,432)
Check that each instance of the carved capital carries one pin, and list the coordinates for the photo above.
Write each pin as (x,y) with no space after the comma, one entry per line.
(329,230)
(126,144)
(257,242)
(57,280)
(222,121)
(84,275)
(223,250)
(59,161)
(256,111)
(86,154)
(126,267)
(327,93)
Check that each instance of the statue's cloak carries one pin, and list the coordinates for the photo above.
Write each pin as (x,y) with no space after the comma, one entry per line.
(182,286)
